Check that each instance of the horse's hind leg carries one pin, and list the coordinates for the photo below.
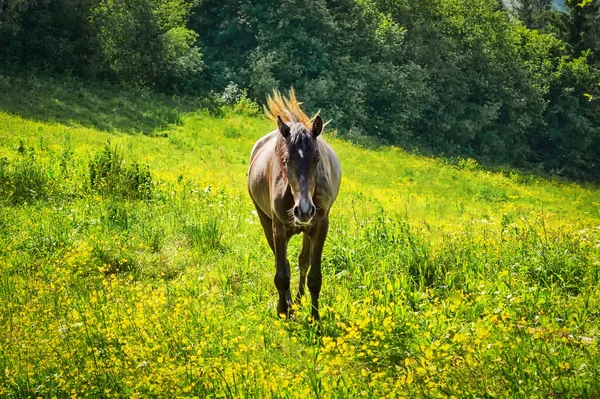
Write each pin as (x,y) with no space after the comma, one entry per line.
(303,264)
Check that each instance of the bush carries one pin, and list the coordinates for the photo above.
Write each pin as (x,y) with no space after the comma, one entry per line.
(109,176)
(23,180)
(237,100)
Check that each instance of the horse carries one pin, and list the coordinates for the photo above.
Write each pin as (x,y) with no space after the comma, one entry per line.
(293,179)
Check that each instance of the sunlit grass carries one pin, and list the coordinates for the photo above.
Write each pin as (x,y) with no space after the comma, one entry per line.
(440,280)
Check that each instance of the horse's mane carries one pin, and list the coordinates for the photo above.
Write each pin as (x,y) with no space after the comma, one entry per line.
(288,108)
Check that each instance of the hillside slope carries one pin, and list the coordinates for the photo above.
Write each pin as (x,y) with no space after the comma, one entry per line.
(150,276)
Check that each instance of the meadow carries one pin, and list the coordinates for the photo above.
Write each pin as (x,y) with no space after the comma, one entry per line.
(132,264)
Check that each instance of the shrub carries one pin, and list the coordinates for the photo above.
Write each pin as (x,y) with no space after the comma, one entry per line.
(238,100)
(109,175)
(23,180)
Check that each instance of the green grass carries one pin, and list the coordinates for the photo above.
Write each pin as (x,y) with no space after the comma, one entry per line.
(440,280)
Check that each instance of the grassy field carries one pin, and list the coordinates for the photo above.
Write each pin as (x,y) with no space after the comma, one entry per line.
(132,264)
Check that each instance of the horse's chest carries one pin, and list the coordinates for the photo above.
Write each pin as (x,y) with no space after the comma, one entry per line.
(294,229)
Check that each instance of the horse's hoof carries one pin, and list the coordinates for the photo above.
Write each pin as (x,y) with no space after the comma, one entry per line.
(288,314)
(315,317)
(282,311)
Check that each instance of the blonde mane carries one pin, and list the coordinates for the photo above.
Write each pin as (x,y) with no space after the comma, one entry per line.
(288,108)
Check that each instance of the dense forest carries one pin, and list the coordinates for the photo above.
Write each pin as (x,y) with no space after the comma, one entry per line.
(508,86)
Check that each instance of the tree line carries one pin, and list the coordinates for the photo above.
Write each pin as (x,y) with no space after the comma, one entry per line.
(451,77)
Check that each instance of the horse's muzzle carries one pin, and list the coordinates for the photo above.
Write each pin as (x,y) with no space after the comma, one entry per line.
(304,212)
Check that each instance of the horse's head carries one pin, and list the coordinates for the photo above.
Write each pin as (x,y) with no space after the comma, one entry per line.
(300,159)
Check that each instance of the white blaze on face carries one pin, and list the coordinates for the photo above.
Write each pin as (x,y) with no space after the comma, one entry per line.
(301,154)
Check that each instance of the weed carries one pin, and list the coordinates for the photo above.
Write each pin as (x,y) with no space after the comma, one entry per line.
(205,235)
(109,176)
(23,179)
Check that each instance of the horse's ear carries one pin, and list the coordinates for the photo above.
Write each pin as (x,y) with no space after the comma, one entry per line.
(317,126)
(283,128)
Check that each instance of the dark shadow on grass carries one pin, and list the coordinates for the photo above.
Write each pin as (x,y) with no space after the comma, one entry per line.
(96,105)
(524,174)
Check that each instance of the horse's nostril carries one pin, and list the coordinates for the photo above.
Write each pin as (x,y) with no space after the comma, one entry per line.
(296,212)
(313,210)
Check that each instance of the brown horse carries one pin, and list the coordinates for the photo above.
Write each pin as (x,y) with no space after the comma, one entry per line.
(294,178)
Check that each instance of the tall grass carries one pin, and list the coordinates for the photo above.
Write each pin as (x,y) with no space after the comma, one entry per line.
(440,280)
(109,175)
(22,179)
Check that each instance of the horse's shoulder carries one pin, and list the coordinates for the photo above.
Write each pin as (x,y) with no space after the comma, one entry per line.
(261,143)
(330,179)
(326,150)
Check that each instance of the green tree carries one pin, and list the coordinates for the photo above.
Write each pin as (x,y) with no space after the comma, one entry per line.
(50,34)
(584,27)
(533,13)
(147,42)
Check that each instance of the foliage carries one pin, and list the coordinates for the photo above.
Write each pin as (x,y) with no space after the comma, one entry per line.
(22,179)
(146,42)
(584,27)
(140,42)
(532,12)
(238,101)
(48,34)
(109,175)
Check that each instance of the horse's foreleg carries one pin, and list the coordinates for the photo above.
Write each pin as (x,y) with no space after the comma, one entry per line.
(303,264)
(282,266)
(267,225)
(315,278)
